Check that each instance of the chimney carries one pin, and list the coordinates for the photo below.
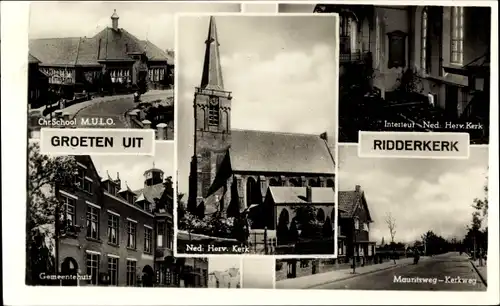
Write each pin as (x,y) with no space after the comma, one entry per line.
(308,194)
(358,188)
(114,20)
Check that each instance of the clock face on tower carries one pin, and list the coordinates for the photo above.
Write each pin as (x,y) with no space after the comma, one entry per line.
(214,101)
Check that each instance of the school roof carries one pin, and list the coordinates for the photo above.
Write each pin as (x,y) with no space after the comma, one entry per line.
(107,45)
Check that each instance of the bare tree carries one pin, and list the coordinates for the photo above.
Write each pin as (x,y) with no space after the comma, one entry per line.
(391,224)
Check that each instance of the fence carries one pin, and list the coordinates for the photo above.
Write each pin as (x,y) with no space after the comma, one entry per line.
(262,241)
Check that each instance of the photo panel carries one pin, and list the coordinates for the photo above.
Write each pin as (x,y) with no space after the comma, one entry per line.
(258,272)
(105,64)
(256,135)
(412,68)
(224,272)
(442,245)
(114,221)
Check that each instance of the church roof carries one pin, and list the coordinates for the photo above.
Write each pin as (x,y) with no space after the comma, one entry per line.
(297,195)
(260,151)
(32,59)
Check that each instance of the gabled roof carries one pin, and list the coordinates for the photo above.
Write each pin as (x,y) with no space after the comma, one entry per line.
(349,201)
(261,151)
(149,193)
(154,53)
(32,59)
(297,195)
(55,51)
(109,44)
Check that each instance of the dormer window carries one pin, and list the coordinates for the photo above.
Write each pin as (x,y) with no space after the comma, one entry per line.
(356,223)
(111,188)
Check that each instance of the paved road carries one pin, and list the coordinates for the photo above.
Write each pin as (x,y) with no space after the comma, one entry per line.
(114,110)
(440,267)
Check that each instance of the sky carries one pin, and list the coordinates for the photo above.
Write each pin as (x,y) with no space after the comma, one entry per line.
(258,272)
(421,194)
(281,72)
(131,168)
(146,20)
(223,263)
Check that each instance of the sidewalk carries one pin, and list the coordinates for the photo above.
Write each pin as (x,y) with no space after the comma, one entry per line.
(149,96)
(310,281)
(481,270)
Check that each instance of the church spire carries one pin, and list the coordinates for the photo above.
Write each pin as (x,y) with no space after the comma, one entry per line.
(211,77)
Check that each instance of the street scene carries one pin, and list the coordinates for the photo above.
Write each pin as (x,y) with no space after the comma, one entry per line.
(383,247)
(224,272)
(256,167)
(104,221)
(105,65)
(411,68)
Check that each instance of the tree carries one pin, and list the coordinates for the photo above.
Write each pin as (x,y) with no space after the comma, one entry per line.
(391,224)
(46,174)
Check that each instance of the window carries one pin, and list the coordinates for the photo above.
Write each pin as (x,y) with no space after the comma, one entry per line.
(148,240)
(131,232)
(423,49)
(87,185)
(131,266)
(160,231)
(168,277)
(111,188)
(457,35)
(93,267)
(113,270)
(169,237)
(366,227)
(92,222)
(113,225)
(69,211)
(79,178)
(213,111)
(356,223)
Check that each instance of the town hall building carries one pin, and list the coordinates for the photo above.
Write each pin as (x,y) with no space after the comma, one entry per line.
(232,169)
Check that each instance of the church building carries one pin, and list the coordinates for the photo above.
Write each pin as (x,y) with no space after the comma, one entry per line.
(232,169)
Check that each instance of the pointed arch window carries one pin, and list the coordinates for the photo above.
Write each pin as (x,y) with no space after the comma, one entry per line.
(457,35)
(423,42)
(213,111)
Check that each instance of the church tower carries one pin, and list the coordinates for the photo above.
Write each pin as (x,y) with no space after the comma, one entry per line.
(212,117)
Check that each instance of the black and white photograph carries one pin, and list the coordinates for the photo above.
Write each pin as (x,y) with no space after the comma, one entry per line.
(256,134)
(104,64)
(410,224)
(258,273)
(224,272)
(412,68)
(104,221)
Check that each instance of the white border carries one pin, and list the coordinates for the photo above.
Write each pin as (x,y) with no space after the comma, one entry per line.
(374,155)
(336,131)
(15,16)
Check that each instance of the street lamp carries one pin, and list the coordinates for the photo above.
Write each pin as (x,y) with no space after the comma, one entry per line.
(355,230)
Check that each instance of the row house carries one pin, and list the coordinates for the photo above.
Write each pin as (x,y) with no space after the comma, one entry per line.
(112,60)
(117,236)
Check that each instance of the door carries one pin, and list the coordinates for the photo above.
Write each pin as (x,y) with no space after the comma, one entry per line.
(451,101)
(291,269)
